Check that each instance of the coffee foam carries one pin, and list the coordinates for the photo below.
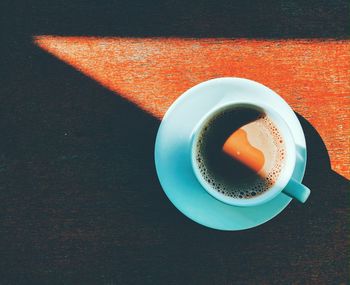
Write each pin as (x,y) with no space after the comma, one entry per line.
(258,131)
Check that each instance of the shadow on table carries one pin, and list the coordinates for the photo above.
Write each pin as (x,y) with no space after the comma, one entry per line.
(81,201)
(180,18)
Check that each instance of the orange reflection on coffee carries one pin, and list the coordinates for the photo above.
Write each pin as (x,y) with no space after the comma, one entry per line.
(238,147)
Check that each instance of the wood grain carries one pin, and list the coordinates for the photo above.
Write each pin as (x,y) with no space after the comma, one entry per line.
(81,203)
(311,75)
(80,199)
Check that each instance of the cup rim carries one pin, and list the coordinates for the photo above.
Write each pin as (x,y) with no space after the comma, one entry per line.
(286,172)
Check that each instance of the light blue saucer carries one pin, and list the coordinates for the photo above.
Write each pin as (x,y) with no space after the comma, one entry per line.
(173,157)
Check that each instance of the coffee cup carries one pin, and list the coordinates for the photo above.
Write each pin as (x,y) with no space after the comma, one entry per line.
(246,184)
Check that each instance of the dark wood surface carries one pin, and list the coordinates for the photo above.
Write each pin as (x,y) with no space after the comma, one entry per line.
(80,200)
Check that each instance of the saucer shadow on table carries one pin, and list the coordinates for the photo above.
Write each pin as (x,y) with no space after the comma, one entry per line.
(81,202)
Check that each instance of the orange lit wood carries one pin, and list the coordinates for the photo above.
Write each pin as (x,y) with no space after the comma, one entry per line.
(311,75)
(238,147)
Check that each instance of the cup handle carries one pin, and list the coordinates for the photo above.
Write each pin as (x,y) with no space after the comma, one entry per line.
(297,191)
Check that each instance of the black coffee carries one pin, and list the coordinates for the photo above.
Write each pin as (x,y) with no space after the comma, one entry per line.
(229,175)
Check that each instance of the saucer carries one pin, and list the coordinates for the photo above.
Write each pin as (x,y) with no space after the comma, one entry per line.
(173,154)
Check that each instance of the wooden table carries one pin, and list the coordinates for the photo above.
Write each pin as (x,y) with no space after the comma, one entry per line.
(86,86)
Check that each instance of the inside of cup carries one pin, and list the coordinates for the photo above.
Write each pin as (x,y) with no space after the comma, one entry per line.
(256,186)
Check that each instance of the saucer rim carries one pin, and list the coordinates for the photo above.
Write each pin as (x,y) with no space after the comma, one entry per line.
(168,114)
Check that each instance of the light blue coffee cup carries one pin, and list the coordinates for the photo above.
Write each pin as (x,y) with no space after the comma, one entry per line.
(284,183)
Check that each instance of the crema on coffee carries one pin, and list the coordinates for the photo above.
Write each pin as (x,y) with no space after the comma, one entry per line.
(240,152)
